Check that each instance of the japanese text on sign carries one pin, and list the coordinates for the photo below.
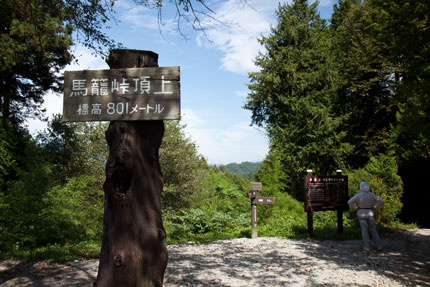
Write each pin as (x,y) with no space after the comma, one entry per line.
(122,94)
(326,193)
(103,87)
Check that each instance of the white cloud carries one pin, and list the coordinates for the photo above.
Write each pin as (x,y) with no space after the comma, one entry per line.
(325,3)
(191,119)
(86,60)
(237,38)
(242,94)
(221,145)
(140,17)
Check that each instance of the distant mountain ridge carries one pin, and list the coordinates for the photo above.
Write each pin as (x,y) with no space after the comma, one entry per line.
(245,169)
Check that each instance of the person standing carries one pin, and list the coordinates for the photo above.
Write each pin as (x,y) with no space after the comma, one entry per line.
(365,203)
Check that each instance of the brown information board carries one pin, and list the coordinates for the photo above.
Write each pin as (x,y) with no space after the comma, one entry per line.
(326,193)
(122,94)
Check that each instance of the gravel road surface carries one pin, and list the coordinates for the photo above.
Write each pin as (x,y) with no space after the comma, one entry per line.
(405,261)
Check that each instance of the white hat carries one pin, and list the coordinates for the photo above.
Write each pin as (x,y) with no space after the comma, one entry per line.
(364,186)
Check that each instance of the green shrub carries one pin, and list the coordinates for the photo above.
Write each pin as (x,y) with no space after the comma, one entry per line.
(381,174)
(196,224)
(287,219)
(74,212)
(219,211)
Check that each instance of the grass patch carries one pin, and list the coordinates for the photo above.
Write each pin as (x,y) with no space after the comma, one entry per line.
(57,252)
(91,249)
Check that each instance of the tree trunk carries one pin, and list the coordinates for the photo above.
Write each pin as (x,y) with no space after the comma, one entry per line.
(133,250)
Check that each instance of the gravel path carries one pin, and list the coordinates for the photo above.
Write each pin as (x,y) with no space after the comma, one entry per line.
(405,261)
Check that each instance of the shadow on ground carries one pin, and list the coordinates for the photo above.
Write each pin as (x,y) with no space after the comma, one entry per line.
(405,261)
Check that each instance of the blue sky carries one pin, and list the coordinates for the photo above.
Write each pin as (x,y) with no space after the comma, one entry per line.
(214,70)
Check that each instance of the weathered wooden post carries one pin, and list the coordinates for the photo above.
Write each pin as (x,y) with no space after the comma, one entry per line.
(135,95)
(339,210)
(253,195)
(309,211)
(133,249)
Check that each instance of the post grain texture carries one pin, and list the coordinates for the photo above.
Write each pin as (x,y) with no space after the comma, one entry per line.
(133,249)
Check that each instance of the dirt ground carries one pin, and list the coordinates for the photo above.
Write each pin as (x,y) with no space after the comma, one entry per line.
(405,261)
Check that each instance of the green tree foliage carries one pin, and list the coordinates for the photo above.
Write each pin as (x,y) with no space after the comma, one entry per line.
(23,185)
(290,96)
(355,91)
(353,94)
(61,148)
(271,174)
(407,30)
(183,168)
(340,12)
(73,212)
(221,185)
(366,91)
(219,211)
(35,41)
(383,56)
(75,149)
(245,169)
(7,162)
(50,201)
(285,218)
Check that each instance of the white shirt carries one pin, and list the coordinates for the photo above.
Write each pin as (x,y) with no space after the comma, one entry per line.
(365,202)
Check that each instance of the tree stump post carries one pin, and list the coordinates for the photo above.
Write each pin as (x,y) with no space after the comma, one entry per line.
(133,249)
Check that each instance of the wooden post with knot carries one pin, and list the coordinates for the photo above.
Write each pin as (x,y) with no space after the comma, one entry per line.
(133,249)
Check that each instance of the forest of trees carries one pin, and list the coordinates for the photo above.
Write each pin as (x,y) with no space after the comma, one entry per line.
(245,169)
(350,93)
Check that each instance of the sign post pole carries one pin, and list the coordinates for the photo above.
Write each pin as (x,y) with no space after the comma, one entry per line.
(339,211)
(310,215)
(133,251)
(253,195)
(254,233)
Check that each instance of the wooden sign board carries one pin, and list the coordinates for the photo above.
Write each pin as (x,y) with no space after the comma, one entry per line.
(264,200)
(326,193)
(256,186)
(122,94)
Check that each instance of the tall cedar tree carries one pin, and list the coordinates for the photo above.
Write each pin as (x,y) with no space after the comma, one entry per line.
(290,95)
(366,91)
(407,30)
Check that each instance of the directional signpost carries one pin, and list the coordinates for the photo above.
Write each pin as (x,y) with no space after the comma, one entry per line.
(253,195)
(263,200)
